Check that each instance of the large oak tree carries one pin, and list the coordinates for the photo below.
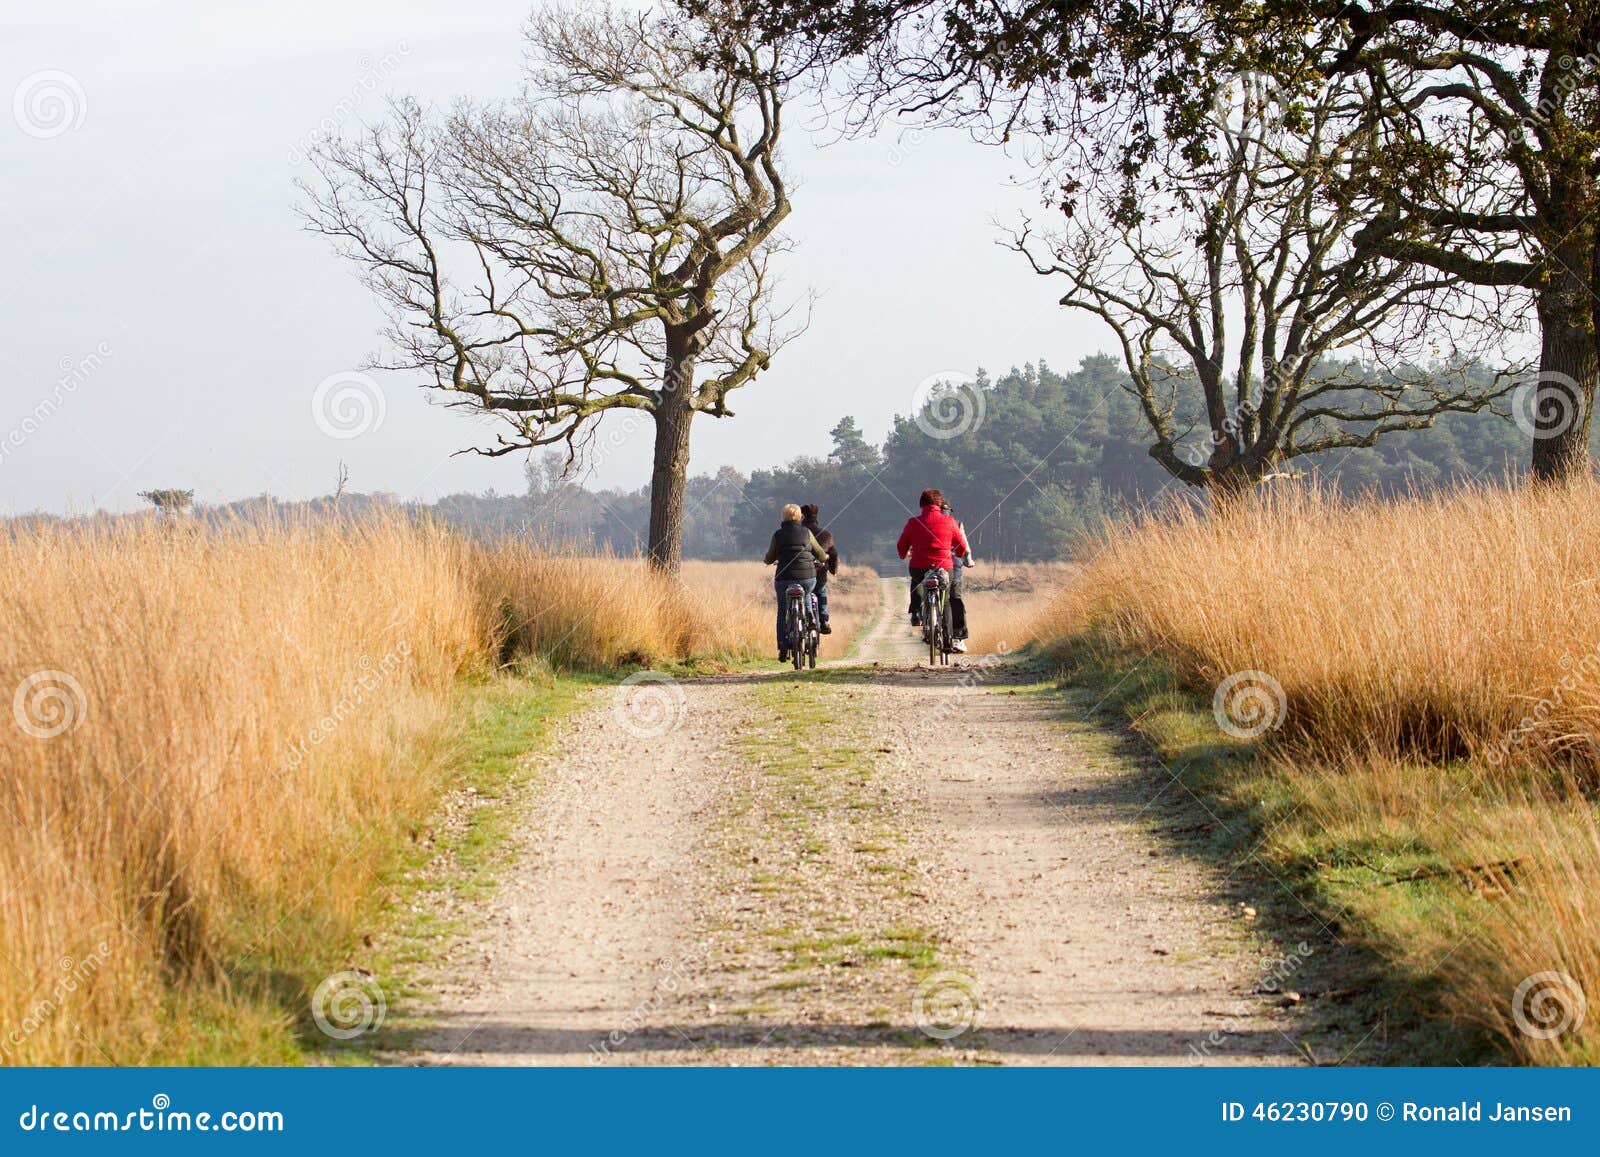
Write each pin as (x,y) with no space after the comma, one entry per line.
(1487,170)
(1238,295)
(600,246)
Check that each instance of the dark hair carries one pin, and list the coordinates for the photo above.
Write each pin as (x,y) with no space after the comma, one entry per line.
(809,511)
(931,498)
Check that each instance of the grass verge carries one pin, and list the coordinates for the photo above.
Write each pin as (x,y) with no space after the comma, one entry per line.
(1370,907)
(320,987)
(822,890)
(455,856)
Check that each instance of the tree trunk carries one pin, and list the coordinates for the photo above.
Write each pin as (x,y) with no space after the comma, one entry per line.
(1231,486)
(1563,402)
(669,479)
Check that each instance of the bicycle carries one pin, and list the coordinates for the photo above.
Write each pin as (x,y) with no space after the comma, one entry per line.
(936,629)
(800,615)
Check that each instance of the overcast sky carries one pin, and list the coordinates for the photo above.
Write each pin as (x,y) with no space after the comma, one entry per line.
(164,320)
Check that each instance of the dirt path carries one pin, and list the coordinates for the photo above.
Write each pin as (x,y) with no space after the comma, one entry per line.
(876,863)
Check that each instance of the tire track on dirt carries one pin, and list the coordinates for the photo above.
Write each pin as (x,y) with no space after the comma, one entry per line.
(961,854)
(586,936)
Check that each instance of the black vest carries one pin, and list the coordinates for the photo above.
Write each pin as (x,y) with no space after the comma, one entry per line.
(795,560)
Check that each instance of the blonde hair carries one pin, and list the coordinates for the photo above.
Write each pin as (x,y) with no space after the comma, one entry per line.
(791,512)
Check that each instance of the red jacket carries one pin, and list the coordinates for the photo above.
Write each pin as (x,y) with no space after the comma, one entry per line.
(928,538)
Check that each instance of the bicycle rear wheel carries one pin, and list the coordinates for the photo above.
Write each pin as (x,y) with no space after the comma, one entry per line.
(797,640)
(945,634)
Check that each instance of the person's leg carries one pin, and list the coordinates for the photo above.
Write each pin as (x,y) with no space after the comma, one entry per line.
(916,595)
(822,603)
(811,593)
(780,586)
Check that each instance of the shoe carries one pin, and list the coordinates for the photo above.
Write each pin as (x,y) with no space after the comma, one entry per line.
(916,620)
(825,629)
(959,646)
(783,656)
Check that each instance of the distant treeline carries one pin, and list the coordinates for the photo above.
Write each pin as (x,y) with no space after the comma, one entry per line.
(1049,455)
(1041,457)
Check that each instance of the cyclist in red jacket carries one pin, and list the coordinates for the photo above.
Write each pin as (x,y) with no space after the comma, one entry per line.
(931,540)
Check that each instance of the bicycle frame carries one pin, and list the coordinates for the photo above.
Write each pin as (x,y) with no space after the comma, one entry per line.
(936,616)
(800,617)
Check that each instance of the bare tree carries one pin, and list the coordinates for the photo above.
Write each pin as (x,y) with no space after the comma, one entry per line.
(614,228)
(1251,233)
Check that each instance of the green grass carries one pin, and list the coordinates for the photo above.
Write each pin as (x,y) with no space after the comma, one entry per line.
(259,1011)
(503,723)
(819,813)
(1329,889)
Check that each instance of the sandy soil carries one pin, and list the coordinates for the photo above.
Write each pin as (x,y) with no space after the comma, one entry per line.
(938,866)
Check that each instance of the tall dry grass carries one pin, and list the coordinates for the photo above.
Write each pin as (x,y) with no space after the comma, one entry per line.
(1462,624)
(853,599)
(1439,666)
(217,736)
(203,727)
(1005,601)
(599,612)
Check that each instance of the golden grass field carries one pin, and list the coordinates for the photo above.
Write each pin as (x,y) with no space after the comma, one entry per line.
(1005,601)
(219,735)
(1439,665)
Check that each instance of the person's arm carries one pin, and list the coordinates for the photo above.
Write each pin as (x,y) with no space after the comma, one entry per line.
(959,541)
(816,550)
(772,550)
(833,559)
(904,545)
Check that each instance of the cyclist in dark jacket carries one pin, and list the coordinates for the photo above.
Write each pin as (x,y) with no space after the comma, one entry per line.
(796,554)
(808,519)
